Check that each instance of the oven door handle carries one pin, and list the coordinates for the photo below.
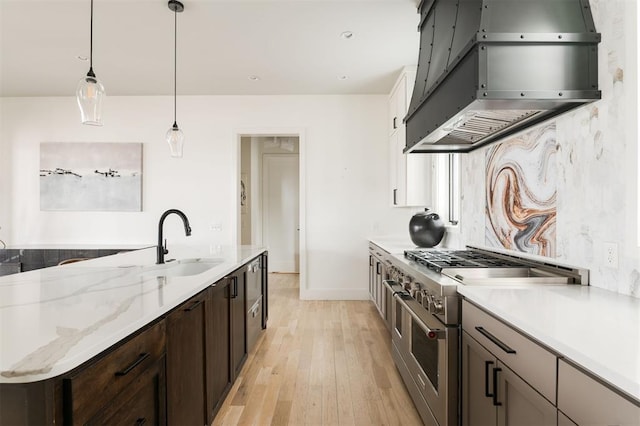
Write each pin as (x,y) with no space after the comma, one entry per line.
(432,333)
(390,284)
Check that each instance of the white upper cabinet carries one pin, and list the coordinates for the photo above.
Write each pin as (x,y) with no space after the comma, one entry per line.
(410,176)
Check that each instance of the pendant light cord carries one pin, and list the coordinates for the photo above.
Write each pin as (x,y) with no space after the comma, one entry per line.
(175,64)
(91,73)
(91,39)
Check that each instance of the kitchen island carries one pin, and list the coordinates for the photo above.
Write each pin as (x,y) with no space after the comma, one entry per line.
(55,320)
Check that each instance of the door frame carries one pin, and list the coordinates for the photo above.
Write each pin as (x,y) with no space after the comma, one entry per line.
(300,133)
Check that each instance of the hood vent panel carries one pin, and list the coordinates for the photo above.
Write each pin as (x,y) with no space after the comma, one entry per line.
(488,69)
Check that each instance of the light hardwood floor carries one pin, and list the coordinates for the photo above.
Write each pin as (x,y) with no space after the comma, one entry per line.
(319,363)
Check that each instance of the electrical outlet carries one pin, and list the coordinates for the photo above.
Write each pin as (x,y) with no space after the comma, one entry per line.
(611,255)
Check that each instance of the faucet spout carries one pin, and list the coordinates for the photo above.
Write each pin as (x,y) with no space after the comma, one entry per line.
(162,249)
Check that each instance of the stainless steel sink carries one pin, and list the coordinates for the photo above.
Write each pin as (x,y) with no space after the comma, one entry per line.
(510,276)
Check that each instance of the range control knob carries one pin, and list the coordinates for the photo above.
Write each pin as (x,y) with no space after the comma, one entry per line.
(438,307)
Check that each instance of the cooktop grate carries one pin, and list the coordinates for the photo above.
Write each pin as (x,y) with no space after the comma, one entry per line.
(438,260)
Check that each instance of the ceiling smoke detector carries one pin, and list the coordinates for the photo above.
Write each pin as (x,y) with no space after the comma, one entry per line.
(347,35)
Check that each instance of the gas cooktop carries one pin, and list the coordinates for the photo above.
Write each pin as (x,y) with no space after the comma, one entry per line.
(483,267)
(443,259)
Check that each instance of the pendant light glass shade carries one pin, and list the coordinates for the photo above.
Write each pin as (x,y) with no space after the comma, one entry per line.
(90,93)
(175,139)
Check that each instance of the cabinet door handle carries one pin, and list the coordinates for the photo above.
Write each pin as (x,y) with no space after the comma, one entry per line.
(141,421)
(495,340)
(378,268)
(395,197)
(194,305)
(495,386)
(137,362)
(486,379)
(234,291)
(395,124)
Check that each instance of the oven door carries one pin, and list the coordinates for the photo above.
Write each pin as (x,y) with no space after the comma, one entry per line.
(431,355)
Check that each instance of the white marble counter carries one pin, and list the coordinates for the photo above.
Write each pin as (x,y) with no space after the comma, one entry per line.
(595,328)
(54,319)
(393,244)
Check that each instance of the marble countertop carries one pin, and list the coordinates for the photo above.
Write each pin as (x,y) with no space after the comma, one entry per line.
(593,327)
(393,244)
(54,319)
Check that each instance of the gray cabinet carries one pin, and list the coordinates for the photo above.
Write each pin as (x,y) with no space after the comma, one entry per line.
(476,388)
(518,403)
(586,401)
(377,274)
(507,379)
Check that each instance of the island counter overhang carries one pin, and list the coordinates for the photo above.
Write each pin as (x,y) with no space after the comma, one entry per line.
(55,319)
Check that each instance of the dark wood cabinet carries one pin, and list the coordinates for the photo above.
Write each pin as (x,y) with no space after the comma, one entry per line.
(238,321)
(219,378)
(141,403)
(129,379)
(186,338)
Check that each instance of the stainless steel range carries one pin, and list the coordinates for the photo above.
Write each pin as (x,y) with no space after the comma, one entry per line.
(425,314)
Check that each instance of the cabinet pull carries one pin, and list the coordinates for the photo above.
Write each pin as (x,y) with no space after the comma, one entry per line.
(395,197)
(126,371)
(378,268)
(486,379)
(395,124)
(235,287)
(194,305)
(141,421)
(495,386)
(495,340)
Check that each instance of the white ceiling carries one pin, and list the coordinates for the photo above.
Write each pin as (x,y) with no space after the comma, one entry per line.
(293,46)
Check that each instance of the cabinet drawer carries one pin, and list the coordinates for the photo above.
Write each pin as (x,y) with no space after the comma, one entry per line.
(588,402)
(141,403)
(531,361)
(94,386)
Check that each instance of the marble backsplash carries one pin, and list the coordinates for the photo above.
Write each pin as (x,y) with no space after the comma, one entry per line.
(597,166)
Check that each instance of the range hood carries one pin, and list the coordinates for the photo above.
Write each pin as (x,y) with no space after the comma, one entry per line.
(488,69)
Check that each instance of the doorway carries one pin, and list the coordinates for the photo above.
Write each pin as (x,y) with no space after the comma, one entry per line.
(280,217)
(270,198)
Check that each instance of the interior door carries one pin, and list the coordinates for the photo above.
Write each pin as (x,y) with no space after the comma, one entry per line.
(280,211)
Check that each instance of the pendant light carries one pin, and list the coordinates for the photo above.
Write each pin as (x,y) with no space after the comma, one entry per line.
(175,137)
(90,91)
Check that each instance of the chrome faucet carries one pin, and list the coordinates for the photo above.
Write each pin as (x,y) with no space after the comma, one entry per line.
(162,248)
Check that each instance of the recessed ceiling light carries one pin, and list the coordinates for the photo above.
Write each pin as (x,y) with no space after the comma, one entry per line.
(343,77)
(347,35)
(253,78)
(82,58)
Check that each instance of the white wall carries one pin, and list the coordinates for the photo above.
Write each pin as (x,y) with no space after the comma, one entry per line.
(597,163)
(345,175)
